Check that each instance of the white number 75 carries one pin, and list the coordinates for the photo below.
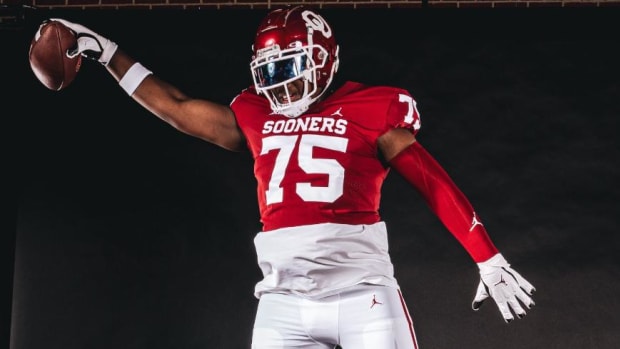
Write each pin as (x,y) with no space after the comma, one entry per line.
(310,165)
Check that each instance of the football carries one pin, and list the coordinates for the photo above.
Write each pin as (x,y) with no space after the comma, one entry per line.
(48,55)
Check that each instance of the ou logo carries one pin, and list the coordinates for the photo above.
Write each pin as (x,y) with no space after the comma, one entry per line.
(317,22)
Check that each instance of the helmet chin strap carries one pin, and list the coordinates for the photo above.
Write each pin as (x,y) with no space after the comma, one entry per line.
(306,100)
(314,97)
(295,110)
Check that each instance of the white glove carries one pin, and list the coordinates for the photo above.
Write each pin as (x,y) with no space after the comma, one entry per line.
(507,287)
(89,44)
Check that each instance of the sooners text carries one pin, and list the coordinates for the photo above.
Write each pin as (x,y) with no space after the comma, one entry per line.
(312,124)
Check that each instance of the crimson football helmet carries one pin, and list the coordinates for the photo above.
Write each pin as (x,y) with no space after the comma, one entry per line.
(293,43)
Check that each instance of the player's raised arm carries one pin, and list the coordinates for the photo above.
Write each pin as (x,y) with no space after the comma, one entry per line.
(204,119)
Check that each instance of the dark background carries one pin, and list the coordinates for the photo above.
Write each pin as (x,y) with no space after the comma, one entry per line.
(122,232)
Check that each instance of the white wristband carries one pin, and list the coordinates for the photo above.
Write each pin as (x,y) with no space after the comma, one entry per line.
(133,77)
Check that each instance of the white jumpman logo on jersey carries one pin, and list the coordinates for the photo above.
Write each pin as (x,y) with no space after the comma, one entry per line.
(475,222)
(338,112)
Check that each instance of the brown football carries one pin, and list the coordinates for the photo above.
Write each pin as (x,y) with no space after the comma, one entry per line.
(48,55)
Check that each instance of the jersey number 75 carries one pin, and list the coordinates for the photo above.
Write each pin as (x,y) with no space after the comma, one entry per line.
(310,165)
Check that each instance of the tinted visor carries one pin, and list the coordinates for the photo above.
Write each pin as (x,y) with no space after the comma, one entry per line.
(275,72)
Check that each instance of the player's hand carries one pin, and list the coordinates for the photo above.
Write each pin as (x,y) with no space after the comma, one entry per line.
(89,44)
(507,287)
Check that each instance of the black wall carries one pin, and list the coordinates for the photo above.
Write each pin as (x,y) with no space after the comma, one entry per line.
(128,234)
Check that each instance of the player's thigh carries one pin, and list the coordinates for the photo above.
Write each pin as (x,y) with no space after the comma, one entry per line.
(278,325)
(376,317)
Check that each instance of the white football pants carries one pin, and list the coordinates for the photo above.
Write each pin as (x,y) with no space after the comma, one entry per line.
(362,317)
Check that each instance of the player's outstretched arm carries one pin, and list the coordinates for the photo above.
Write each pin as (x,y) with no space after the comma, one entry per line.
(207,120)
(204,119)
(510,291)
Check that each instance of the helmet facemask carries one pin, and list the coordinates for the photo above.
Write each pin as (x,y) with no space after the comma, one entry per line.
(274,69)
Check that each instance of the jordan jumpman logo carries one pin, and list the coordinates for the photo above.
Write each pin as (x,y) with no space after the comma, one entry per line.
(374,301)
(475,222)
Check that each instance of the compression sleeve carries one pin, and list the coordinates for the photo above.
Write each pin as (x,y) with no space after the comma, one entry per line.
(445,199)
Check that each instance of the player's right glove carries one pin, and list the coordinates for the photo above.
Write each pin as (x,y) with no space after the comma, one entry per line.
(507,287)
(90,44)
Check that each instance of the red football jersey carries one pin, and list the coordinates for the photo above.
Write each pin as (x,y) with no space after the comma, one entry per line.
(323,166)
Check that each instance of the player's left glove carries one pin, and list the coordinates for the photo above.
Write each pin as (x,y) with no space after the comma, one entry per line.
(507,287)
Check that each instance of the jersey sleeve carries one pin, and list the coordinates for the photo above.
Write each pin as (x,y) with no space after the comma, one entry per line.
(403,112)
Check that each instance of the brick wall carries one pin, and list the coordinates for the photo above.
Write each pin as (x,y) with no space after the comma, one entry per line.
(221,4)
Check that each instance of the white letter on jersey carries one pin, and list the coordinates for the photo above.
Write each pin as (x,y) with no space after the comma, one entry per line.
(268,126)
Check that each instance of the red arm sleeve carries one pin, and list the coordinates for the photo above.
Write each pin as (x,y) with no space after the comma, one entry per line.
(445,199)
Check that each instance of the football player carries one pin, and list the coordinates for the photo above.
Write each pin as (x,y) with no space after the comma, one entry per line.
(320,158)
